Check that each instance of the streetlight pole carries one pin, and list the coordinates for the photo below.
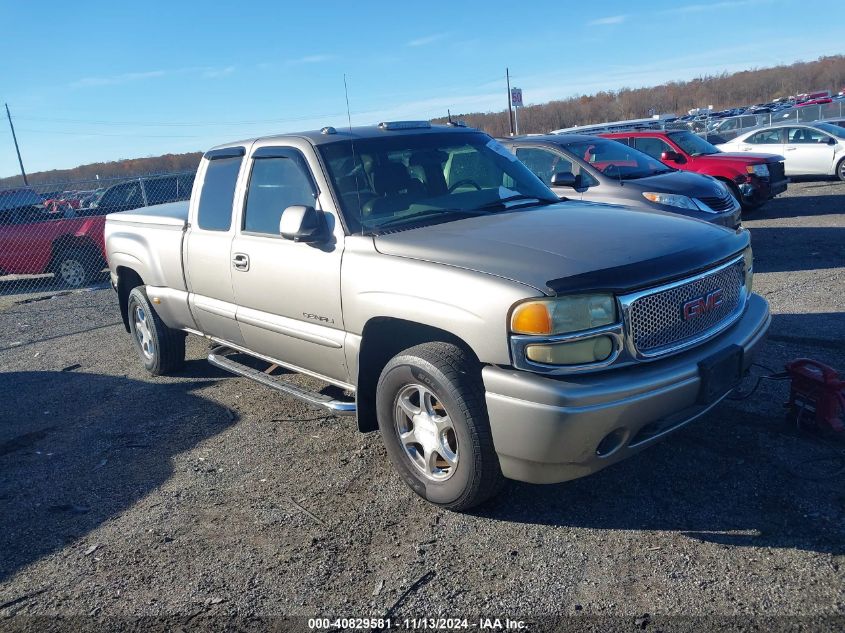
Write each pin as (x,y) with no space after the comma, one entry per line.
(17,149)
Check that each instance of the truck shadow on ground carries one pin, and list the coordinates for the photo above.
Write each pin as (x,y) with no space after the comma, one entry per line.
(785,249)
(81,448)
(740,476)
(725,481)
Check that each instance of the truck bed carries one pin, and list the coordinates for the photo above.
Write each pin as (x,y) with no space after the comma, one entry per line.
(170,214)
(149,241)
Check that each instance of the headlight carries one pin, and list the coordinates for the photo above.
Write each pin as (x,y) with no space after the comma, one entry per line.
(563,315)
(671,200)
(748,255)
(761,170)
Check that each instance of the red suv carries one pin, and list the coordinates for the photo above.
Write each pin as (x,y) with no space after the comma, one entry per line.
(753,178)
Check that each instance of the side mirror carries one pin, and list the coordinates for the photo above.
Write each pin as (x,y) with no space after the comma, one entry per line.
(831,140)
(673,157)
(302,224)
(564,179)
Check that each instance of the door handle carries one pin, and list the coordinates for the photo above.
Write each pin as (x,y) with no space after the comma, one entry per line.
(791,149)
(240,261)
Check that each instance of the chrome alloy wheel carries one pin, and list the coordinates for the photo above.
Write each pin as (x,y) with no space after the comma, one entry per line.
(142,332)
(72,272)
(426,432)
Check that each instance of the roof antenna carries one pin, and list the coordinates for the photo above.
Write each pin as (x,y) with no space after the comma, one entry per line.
(448,117)
(354,162)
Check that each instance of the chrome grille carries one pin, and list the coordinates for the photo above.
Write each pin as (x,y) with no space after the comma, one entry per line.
(720,203)
(656,320)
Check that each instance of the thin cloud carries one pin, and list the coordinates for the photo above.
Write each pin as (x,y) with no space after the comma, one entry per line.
(715,6)
(428,39)
(213,73)
(206,72)
(114,80)
(311,59)
(611,19)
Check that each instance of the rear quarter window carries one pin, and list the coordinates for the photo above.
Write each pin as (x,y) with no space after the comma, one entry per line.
(218,193)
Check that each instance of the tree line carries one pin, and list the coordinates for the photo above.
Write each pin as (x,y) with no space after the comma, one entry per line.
(722,91)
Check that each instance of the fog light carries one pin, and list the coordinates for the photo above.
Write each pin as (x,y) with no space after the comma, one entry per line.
(591,350)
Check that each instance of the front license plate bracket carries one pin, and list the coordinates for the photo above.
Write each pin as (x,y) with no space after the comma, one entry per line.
(720,373)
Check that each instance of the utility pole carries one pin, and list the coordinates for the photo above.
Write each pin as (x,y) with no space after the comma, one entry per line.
(510,107)
(17,149)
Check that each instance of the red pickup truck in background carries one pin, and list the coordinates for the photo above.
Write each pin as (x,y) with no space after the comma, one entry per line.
(33,241)
(752,178)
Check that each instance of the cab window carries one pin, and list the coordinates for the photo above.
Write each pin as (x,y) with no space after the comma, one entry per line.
(218,191)
(805,135)
(275,184)
(765,137)
(543,163)
(654,147)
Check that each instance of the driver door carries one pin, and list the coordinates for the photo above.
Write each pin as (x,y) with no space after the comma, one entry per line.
(288,293)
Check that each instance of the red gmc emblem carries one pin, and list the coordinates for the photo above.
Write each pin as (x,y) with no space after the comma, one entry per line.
(702,305)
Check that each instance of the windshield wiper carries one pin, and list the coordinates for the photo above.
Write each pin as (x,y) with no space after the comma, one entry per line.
(502,202)
(422,217)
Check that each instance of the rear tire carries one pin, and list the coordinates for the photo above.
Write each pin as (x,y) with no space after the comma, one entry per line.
(162,349)
(433,420)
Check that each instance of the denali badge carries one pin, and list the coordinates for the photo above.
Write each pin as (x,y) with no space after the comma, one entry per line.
(702,305)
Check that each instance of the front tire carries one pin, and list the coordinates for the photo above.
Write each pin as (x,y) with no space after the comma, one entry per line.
(840,170)
(162,349)
(433,420)
(75,267)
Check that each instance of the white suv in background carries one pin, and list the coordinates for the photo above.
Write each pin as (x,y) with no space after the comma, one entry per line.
(815,149)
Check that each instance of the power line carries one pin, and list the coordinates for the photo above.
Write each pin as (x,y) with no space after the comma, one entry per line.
(31,131)
(181,124)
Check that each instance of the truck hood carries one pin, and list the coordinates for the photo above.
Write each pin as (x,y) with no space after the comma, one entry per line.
(748,158)
(572,247)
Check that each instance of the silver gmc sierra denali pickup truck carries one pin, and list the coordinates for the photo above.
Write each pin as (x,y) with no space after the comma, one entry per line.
(446,297)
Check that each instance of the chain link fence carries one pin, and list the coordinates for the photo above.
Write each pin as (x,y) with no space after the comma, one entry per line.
(52,235)
(727,128)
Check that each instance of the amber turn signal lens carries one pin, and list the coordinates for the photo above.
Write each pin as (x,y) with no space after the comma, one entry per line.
(531,318)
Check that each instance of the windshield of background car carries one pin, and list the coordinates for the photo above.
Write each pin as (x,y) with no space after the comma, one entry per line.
(616,160)
(832,129)
(409,178)
(693,144)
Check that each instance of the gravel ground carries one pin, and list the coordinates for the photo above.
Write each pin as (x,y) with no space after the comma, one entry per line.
(202,497)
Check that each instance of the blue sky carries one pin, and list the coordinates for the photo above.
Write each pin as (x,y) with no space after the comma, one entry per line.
(90,81)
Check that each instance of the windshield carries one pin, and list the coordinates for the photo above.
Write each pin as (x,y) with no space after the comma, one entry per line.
(406,179)
(832,129)
(693,145)
(616,160)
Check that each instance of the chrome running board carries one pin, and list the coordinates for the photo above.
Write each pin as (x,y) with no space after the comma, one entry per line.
(338,407)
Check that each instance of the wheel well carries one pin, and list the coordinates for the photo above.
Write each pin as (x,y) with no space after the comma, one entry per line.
(381,340)
(127,279)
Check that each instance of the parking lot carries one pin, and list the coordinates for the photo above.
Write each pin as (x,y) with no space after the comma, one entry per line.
(204,495)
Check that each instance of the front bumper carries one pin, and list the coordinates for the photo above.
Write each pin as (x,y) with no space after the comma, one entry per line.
(761,189)
(547,430)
